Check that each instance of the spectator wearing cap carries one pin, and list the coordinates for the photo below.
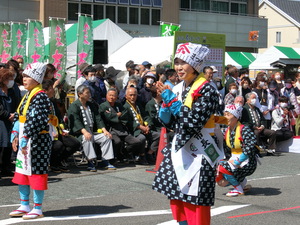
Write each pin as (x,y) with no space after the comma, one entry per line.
(90,81)
(171,76)
(110,78)
(144,68)
(100,83)
(145,92)
(215,71)
(31,134)
(129,72)
(81,79)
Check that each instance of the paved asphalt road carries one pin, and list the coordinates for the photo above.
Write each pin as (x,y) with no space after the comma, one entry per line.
(125,197)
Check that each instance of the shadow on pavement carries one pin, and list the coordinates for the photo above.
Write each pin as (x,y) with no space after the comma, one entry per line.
(86,210)
(267,191)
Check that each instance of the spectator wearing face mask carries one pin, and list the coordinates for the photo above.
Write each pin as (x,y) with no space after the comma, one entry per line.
(252,117)
(273,94)
(96,94)
(279,80)
(8,105)
(281,120)
(244,72)
(263,98)
(145,92)
(245,86)
(229,98)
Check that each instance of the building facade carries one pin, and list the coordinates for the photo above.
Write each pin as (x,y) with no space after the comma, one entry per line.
(234,18)
(283,22)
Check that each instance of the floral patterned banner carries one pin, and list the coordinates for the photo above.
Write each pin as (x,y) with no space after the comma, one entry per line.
(85,45)
(5,45)
(58,46)
(36,45)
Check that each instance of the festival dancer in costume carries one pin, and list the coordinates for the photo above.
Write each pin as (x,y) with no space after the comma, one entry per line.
(187,174)
(30,136)
(240,151)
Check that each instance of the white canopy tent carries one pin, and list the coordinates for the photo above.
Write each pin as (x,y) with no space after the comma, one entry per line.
(273,54)
(152,49)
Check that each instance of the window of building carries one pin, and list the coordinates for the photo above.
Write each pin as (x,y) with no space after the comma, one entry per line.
(111,1)
(86,9)
(124,2)
(98,12)
(157,3)
(278,37)
(145,16)
(133,15)
(222,7)
(200,5)
(184,4)
(111,13)
(155,16)
(122,15)
(135,2)
(102,1)
(234,8)
(243,9)
(73,8)
(146,3)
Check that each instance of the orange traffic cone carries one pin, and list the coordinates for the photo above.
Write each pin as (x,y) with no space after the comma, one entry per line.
(162,143)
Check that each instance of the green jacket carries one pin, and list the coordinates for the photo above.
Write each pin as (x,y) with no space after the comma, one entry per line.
(75,118)
(132,124)
(152,113)
(111,119)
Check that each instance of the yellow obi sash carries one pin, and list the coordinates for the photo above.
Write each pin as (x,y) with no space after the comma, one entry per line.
(237,139)
(193,93)
(22,117)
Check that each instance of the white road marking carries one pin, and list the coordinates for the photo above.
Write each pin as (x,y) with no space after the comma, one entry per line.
(214,212)
(88,216)
(4,206)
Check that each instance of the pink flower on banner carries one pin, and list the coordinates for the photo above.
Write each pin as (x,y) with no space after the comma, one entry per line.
(82,57)
(58,38)
(5,43)
(4,33)
(4,57)
(19,45)
(19,35)
(36,39)
(58,30)
(58,42)
(35,57)
(57,57)
(183,48)
(85,31)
